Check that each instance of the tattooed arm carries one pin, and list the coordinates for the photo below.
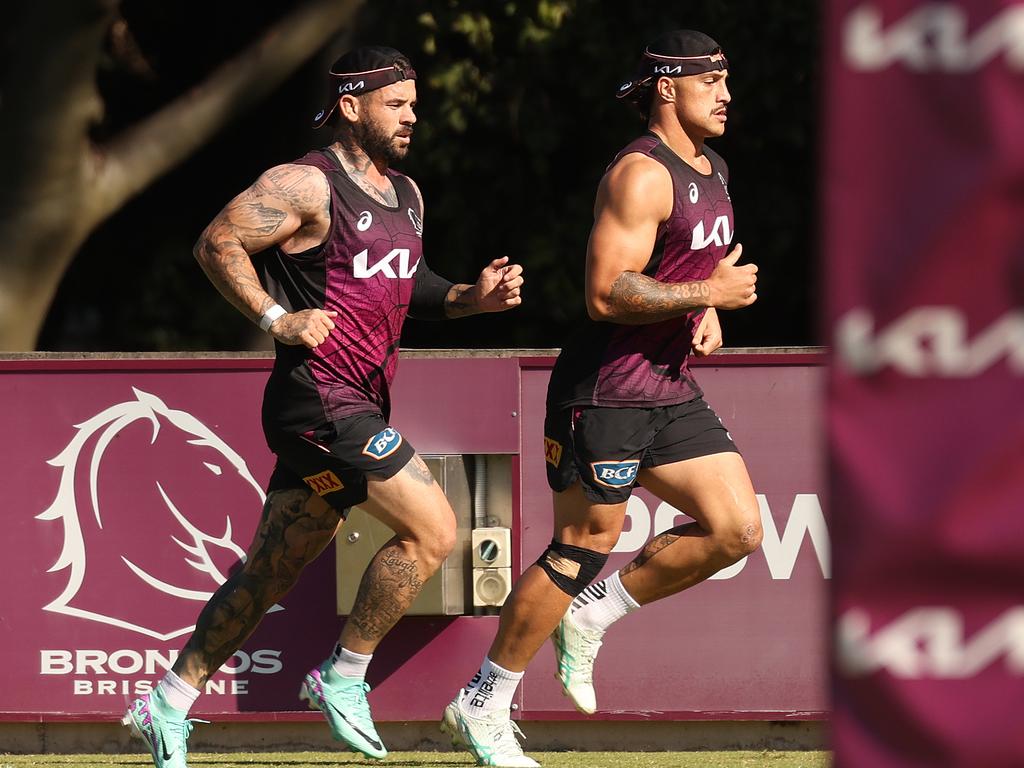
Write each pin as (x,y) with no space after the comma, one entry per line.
(498,288)
(633,199)
(289,206)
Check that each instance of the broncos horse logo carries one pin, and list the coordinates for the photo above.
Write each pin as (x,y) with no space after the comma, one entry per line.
(148,530)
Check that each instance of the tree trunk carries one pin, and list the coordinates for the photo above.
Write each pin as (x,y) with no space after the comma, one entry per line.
(57,186)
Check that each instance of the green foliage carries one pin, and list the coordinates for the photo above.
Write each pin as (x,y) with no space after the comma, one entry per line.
(517,122)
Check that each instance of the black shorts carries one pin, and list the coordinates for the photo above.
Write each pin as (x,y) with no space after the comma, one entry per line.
(605,448)
(335,460)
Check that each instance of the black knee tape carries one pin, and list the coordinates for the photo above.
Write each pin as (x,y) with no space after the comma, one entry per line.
(571,568)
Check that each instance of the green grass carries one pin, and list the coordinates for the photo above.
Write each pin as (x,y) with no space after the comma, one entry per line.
(413,759)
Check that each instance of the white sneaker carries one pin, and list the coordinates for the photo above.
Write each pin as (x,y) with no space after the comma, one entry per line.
(491,740)
(575,651)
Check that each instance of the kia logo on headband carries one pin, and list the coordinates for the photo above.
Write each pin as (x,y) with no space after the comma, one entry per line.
(349,87)
(665,69)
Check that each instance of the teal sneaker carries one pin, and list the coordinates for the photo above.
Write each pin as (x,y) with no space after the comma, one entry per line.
(343,702)
(165,736)
(490,739)
(575,651)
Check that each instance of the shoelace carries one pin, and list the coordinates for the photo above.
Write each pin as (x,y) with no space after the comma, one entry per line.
(185,726)
(181,729)
(588,652)
(355,696)
(505,738)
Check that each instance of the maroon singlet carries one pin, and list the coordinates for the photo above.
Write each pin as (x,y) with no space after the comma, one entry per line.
(365,272)
(614,365)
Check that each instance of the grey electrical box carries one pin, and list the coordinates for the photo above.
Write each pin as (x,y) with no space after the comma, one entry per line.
(361,536)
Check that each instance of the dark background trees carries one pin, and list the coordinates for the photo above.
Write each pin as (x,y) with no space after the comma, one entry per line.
(68,159)
(517,122)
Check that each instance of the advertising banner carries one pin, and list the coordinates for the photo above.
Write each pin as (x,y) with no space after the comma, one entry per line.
(923,184)
(133,488)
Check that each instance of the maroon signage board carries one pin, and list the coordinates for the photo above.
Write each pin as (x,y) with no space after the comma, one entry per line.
(134,486)
(749,643)
(924,241)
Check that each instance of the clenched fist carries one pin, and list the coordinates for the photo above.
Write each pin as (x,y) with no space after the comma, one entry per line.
(733,287)
(309,327)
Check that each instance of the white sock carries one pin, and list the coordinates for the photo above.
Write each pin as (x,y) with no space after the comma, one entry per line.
(349,663)
(490,690)
(176,693)
(602,604)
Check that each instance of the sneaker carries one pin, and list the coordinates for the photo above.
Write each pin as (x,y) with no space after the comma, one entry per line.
(343,702)
(166,737)
(575,651)
(491,740)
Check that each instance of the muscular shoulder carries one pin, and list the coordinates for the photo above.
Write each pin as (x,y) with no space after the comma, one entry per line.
(303,188)
(637,186)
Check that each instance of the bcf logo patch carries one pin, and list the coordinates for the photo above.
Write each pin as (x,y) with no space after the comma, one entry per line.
(383,444)
(552,451)
(324,483)
(615,474)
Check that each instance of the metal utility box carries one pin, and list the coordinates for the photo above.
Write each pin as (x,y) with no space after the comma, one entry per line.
(362,535)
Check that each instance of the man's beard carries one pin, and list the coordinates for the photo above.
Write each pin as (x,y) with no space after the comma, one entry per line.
(376,142)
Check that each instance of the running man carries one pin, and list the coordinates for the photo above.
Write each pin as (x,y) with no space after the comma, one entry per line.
(622,404)
(342,234)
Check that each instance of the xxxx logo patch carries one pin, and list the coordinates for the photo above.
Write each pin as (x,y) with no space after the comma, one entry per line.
(324,483)
(552,451)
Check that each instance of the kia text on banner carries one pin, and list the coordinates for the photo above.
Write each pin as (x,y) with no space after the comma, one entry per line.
(924,238)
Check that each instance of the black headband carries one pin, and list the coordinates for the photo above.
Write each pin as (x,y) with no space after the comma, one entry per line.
(357,83)
(653,65)
(678,53)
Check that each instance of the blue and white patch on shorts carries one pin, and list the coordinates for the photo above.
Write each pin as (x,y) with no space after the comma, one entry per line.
(615,474)
(383,444)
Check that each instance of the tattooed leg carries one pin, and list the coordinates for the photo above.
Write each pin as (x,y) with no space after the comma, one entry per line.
(671,562)
(417,470)
(391,582)
(412,504)
(295,527)
(715,490)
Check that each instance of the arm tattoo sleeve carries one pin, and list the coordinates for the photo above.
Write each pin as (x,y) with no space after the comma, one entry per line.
(636,299)
(253,221)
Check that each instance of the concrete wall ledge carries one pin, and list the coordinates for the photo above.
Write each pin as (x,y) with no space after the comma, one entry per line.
(548,735)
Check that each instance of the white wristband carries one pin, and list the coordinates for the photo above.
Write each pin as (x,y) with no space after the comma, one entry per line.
(270,316)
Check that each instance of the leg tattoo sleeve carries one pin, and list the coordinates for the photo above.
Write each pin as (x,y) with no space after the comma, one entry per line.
(292,533)
(389,585)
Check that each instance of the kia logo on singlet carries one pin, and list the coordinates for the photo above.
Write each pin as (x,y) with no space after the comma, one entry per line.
(615,474)
(397,257)
(721,234)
